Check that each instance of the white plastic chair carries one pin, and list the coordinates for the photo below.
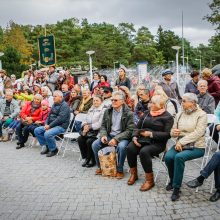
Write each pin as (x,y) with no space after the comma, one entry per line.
(71,135)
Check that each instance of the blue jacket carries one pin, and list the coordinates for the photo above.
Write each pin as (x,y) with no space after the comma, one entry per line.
(191,87)
(59,115)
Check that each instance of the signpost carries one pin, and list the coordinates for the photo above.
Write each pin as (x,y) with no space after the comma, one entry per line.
(47,53)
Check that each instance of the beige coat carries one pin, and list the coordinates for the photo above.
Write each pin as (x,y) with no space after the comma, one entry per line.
(192,126)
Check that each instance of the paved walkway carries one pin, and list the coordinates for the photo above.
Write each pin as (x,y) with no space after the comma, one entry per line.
(35,187)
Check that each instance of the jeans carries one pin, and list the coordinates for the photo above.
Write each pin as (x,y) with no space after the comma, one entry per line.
(14,124)
(1,124)
(120,149)
(175,162)
(215,133)
(213,165)
(48,137)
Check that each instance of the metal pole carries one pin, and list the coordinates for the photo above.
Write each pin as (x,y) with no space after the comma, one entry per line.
(90,67)
(183,44)
(200,64)
(0,65)
(177,66)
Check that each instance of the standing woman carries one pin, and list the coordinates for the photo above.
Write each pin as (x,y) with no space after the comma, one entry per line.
(149,140)
(123,80)
(96,81)
(90,130)
(189,130)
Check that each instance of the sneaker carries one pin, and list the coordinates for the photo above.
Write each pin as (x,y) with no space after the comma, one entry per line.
(176,194)
(52,153)
(169,186)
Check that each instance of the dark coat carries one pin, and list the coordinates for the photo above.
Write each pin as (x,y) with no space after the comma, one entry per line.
(160,126)
(126,83)
(140,108)
(214,88)
(59,115)
(191,86)
(207,103)
(127,124)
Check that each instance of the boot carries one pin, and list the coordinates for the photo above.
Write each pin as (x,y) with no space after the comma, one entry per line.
(149,182)
(133,176)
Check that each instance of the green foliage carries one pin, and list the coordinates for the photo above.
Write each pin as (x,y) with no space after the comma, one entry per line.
(12,62)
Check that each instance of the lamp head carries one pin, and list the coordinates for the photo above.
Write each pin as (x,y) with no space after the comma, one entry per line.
(90,52)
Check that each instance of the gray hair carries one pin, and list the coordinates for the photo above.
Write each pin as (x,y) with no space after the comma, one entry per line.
(191,97)
(9,92)
(202,81)
(119,93)
(48,90)
(58,92)
(38,96)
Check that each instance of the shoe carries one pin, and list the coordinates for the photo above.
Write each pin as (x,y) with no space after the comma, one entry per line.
(193,183)
(73,140)
(149,182)
(45,150)
(18,143)
(20,146)
(52,153)
(169,186)
(98,172)
(90,164)
(119,175)
(176,194)
(85,162)
(215,197)
(133,177)
(1,138)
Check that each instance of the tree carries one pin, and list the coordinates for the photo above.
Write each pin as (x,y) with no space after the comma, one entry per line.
(214,17)
(11,61)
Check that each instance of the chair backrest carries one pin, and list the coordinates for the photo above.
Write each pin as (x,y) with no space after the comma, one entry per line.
(211,118)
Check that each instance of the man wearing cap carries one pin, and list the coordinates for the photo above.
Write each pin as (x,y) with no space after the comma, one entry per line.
(191,86)
(169,86)
(107,94)
(123,80)
(52,78)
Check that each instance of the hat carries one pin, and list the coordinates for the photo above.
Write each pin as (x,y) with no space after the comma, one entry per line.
(107,89)
(166,72)
(45,102)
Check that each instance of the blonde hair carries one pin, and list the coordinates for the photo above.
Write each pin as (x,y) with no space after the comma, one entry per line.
(159,100)
(206,72)
(160,91)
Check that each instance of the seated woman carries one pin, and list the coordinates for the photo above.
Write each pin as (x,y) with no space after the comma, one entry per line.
(169,105)
(189,129)
(74,100)
(149,139)
(90,130)
(47,95)
(30,113)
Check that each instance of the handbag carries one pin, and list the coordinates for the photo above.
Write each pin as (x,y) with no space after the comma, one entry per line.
(108,162)
(92,133)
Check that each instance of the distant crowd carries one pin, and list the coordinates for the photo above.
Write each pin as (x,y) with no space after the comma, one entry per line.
(46,104)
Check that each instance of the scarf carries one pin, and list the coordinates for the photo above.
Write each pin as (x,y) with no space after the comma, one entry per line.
(158,112)
(83,102)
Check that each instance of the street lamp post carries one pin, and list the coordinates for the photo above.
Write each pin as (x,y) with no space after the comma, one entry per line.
(90,52)
(187,62)
(114,67)
(200,64)
(177,61)
(211,63)
(1,54)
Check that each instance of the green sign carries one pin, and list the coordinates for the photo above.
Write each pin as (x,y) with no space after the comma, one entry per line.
(47,51)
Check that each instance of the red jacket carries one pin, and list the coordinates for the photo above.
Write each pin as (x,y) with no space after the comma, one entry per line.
(69,81)
(44,115)
(101,84)
(214,88)
(26,112)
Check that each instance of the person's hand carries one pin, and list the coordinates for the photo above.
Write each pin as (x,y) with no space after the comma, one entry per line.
(176,132)
(145,133)
(218,127)
(85,128)
(37,122)
(46,127)
(178,147)
(136,142)
(104,140)
(112,142)
(46,77)
(76,112)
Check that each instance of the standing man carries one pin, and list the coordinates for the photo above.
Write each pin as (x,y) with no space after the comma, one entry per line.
(116,131)
(52,78)
(191,86)
(169,86)
(56,123)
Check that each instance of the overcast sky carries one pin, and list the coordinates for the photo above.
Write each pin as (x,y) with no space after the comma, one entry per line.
(150,13)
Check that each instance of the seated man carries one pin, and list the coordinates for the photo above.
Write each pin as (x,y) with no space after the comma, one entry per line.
(142,105)
(213,165)
(56,123)
(205,100)
(9,109)
(116,130)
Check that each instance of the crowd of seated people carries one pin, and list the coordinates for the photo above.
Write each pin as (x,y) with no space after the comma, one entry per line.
(41,106)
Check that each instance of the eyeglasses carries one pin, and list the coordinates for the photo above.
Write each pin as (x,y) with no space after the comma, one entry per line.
(115,100)
(183,100)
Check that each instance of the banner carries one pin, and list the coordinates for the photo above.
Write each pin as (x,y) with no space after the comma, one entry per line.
(142,72)
(47,53)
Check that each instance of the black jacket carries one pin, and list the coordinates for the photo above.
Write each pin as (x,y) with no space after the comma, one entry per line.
(59,115)
(160,126)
